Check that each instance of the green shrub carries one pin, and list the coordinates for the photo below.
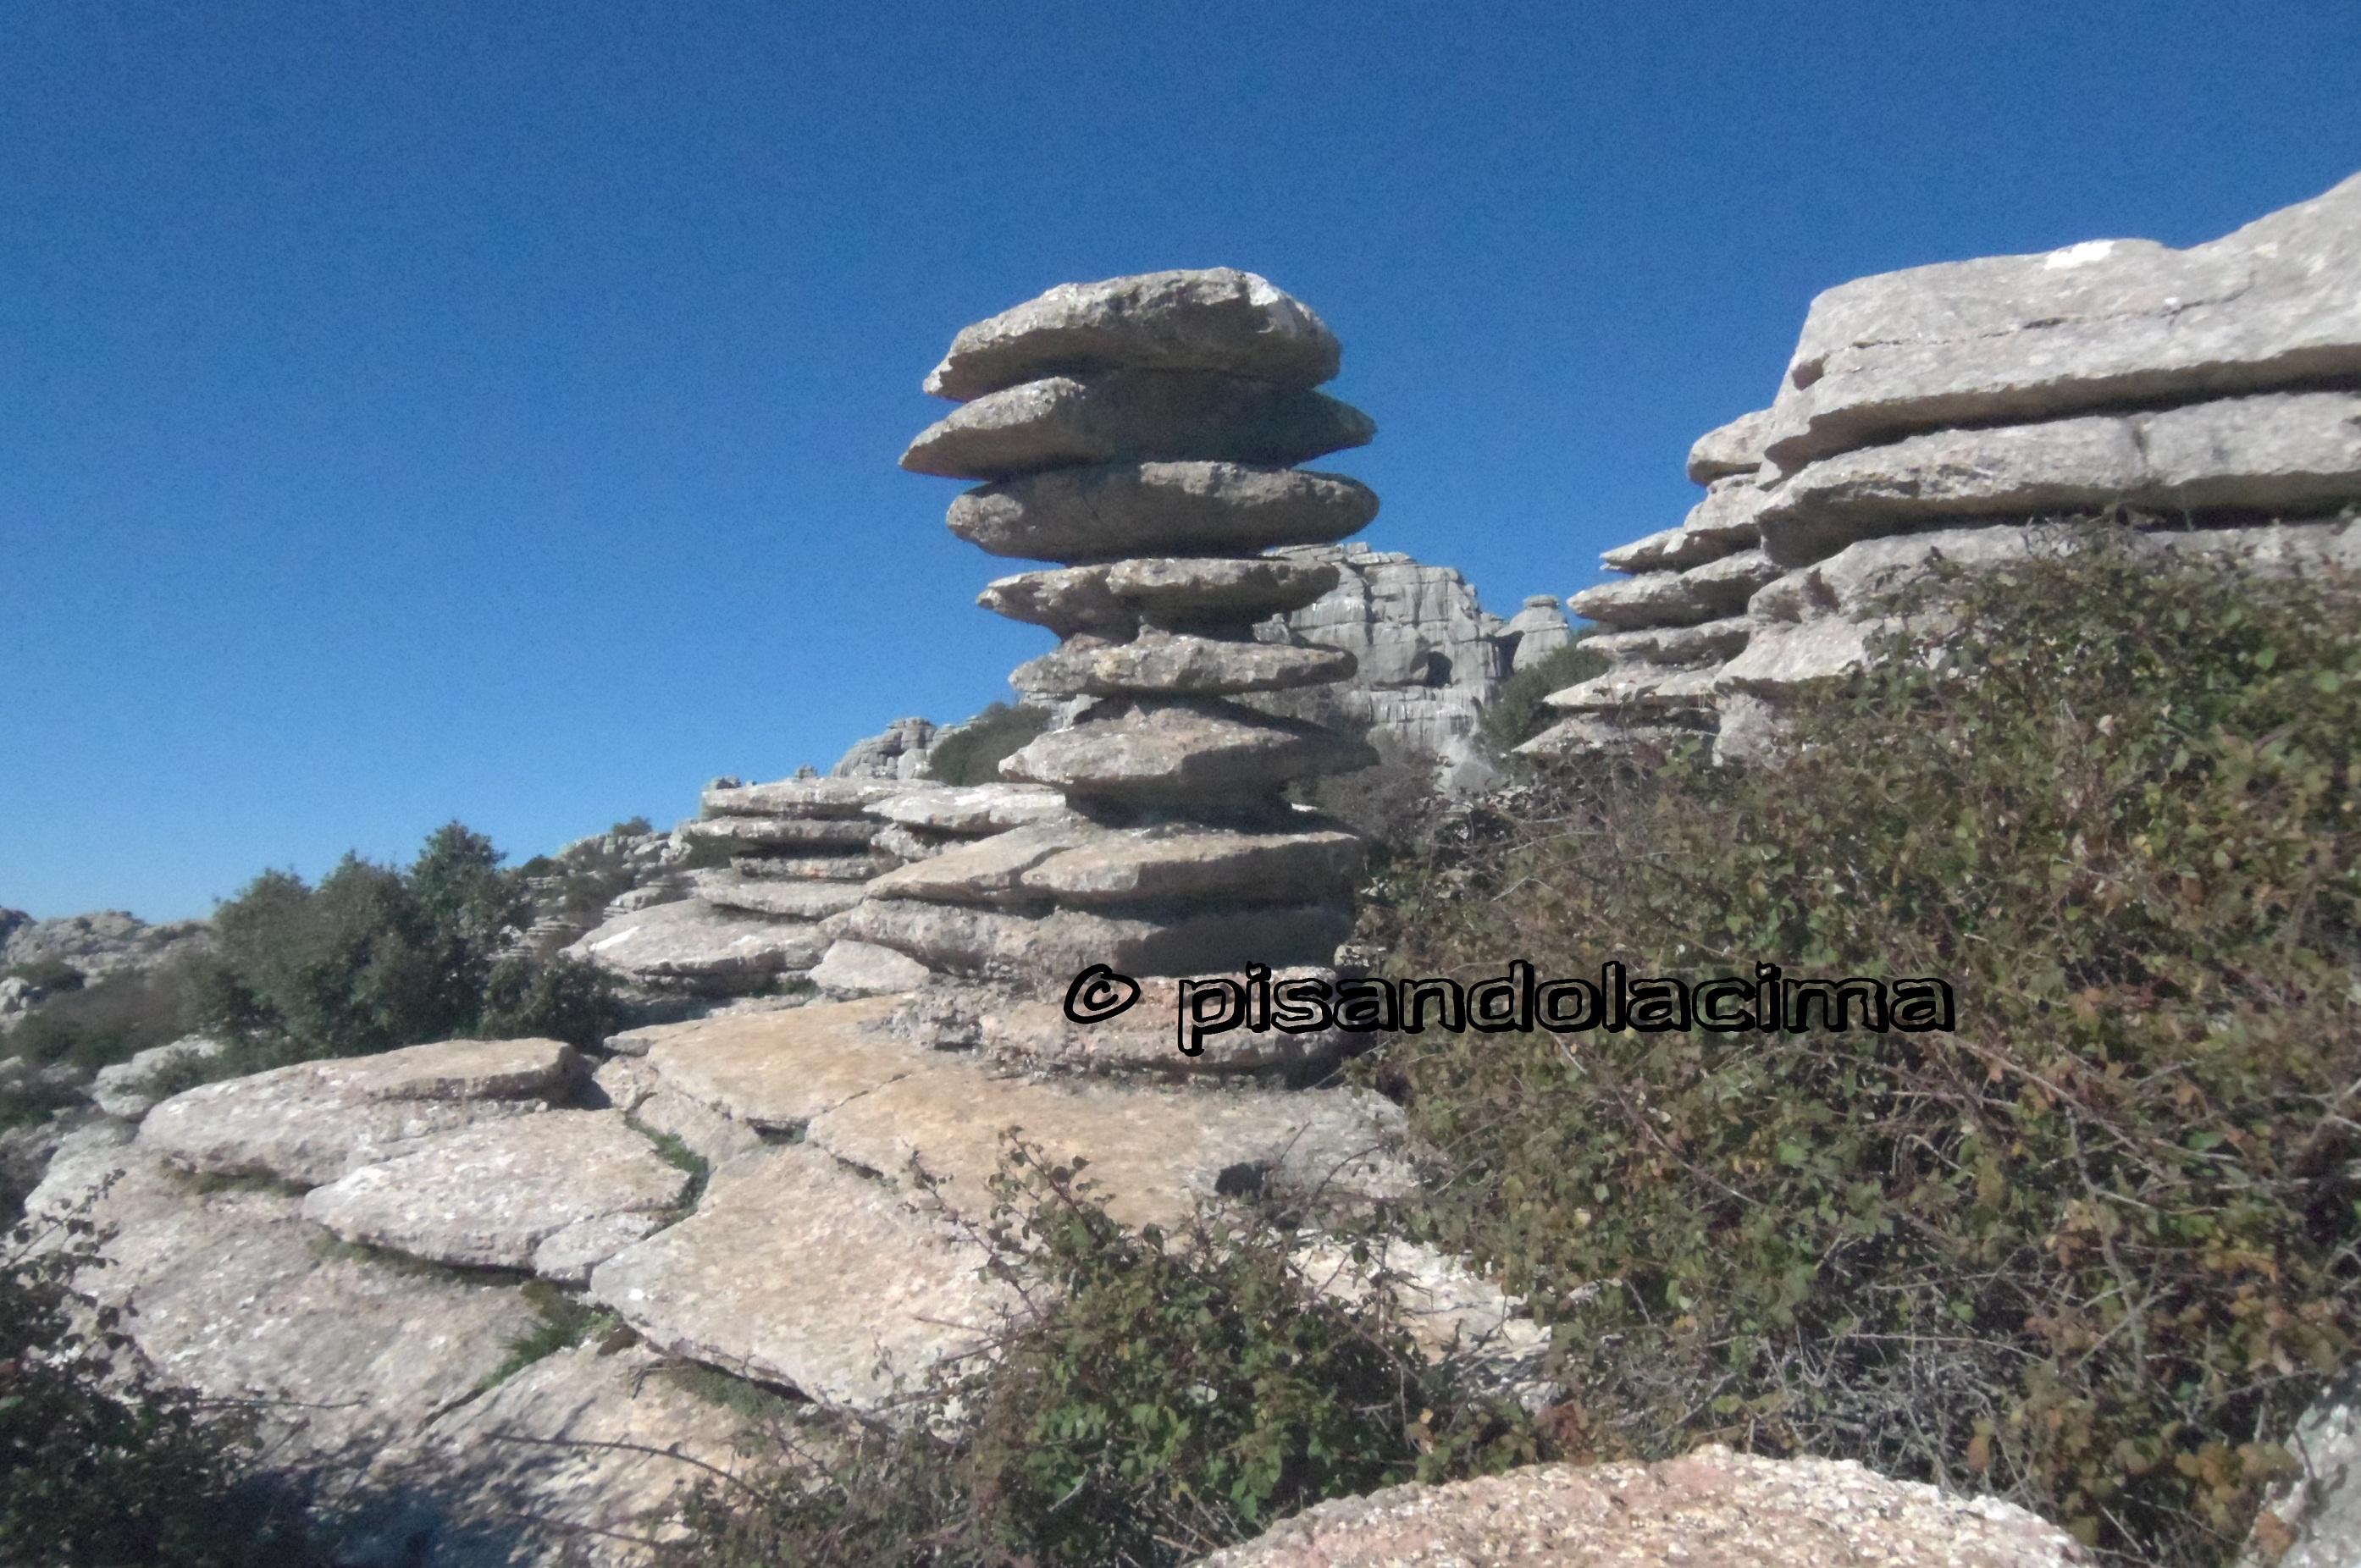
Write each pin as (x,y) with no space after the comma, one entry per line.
(1517,714)
(562,999)
(2092,1250)
(567,1320)
(48,974)
(98,1462)
(971,753)
(109,1019)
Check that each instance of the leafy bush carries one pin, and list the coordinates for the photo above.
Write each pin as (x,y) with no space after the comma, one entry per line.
(107,1020)
(98,1462)
(2090,1252)
(1168,1395)
(971,753)
(561,999)
(48,974)
(1517,715)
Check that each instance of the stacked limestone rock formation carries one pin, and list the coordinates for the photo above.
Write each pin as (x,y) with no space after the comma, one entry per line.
(1141,433)
(1950,409)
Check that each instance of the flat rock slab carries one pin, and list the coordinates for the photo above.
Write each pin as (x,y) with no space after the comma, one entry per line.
(2281,452)
(1178,862)
(780,1069)
(1133,416)
(989,870)
(234,1295)
(1112,599)
(126,1089)
(1732,448)
(853,867)
(311,1122)
(581,1452)
(1210,319)
(1675,550)
(1712,1508)
(1710,592)
(1152,508)
(1179,664)
(491,1196)
(853,969)
(1051,948)
(1154,1153)
(1638,684)
(848,832)
(784,898)
(972,808)
(1707,642)
(796,1270)
(2105,323)
(1185,752)
(796,797)
(692,942)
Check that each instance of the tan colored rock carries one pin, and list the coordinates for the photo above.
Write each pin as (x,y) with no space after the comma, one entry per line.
(490,1196)
(1216,318)
(989,870)
(752,833)
(693,945)
(1186,752)
(1172,664)
(796,1270)
(1710,1509)
(1154,1154)
(862,969)
(1134,416)
(779,1070)
(311,1122)
(1159,509)
(809,868)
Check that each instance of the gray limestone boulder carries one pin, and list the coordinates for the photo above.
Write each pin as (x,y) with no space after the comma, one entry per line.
(850,970)
(2102,325)
(311,1122)
(1217,319)
(990,871)
(694,946)
(848,832)
(126,1089)
(1181,862)
(1732,448)
(492,1196)
(1159,509)
(1179,663)
(1135,416)
(1184,753)
(1710,592)
(973,809)
(1052,948)
(802,898)
(1538,629)
(796,797)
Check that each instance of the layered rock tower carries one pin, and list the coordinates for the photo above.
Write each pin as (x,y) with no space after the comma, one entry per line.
(2213,394)
(1143,433)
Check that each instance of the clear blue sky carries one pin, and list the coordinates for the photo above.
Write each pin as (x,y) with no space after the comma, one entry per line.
(435,409)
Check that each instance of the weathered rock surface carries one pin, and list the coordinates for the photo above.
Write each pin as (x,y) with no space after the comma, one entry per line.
(490,1196)
(108,942)
(1154,508)
(234,1297)
(793,898)
(796,1270)
(1134,416)
(1710,592)
(1538,629)
(811,868)
(1179,664)
(1732,448)
(990,871)
(1030,1031)
(1712,1508)
(692,944)
(1217,319)
(1112,601)
(126,1089)
(1055,946)
(757,833)
(1197,750)
(312,1122)
(1175,860)
(972,808)
(853,969)
(898,752)
(797,797)
(2105,323)
(1453,1316)
(777,1071)
(2287,453)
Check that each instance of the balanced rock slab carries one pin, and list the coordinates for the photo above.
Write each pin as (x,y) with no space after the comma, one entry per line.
(490,1196)
(853,969)
(792,899)
(691,942)
(1214,319)
(809,868)
(1132,416)
(1172,664)
(1174,592)
(1708,592)
(1711,1508)
(972,808)
(796,1270)
(796,797)
(848,832)
(311,1122)
(1179,861)
(1155,509)
(990,871)
(1053,947)
(1186,752)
